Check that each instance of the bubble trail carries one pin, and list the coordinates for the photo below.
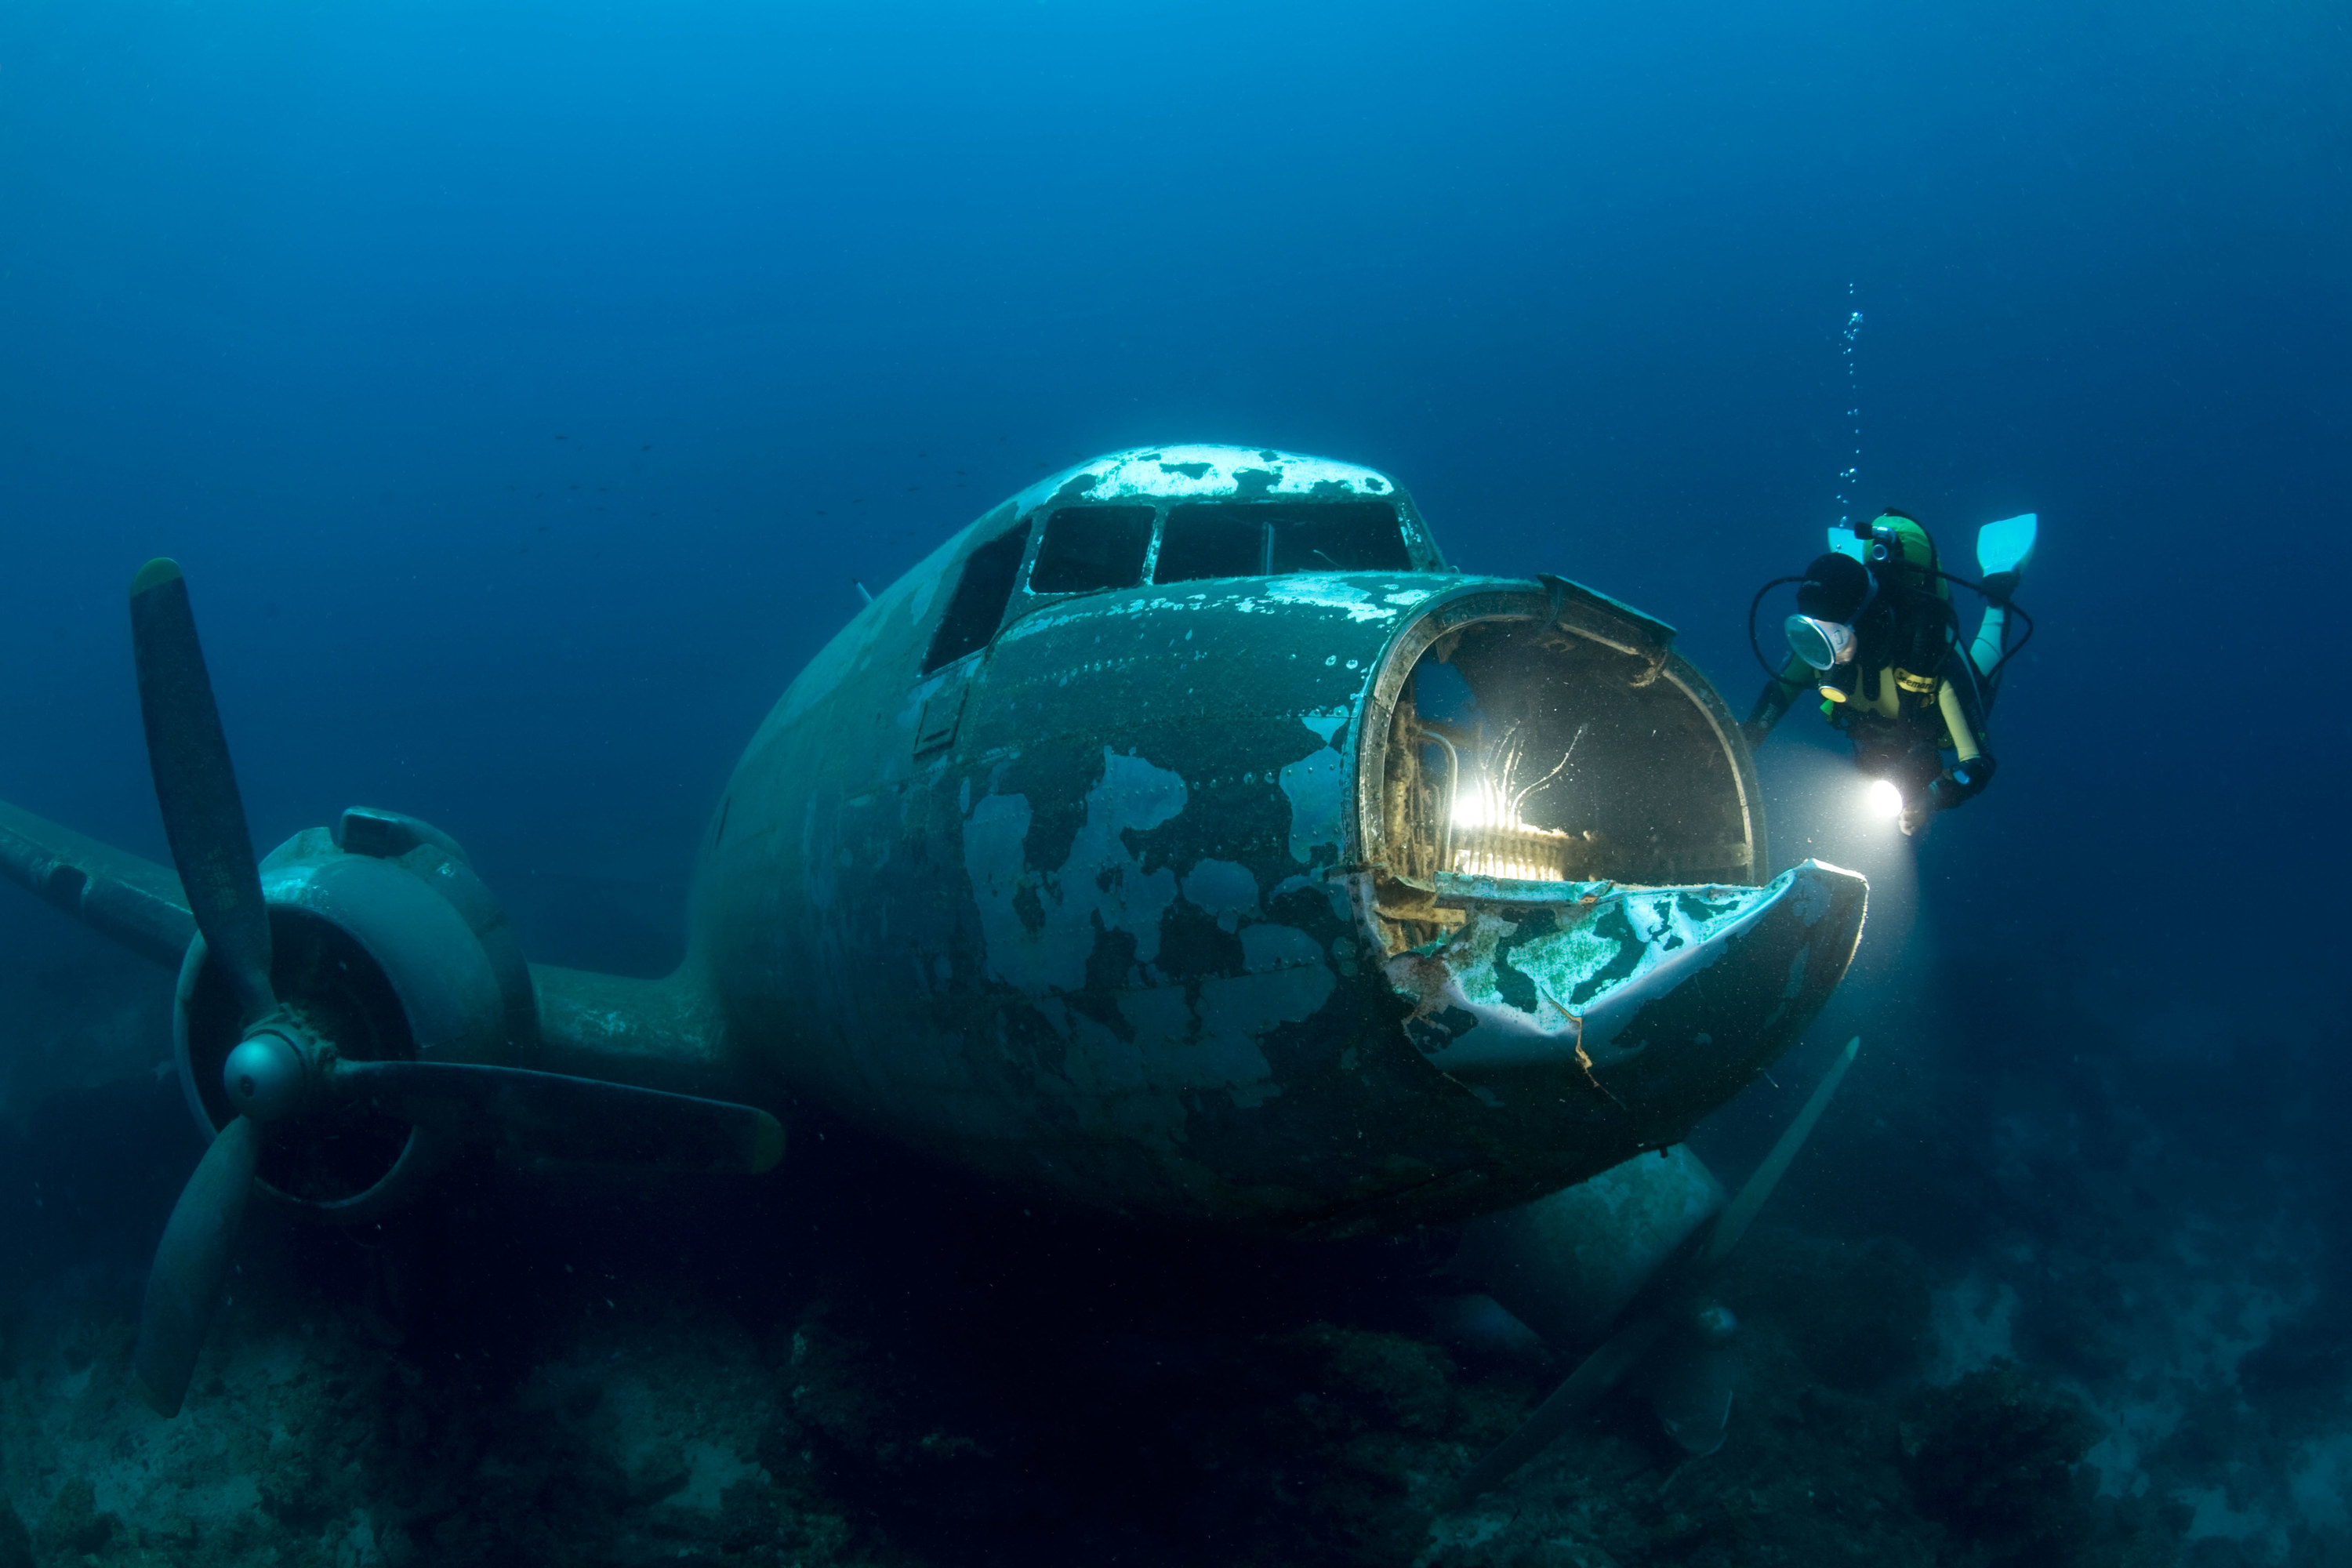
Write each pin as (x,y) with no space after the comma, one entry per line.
(1847,475)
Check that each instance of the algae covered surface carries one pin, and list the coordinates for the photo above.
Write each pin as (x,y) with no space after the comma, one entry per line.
(544,1371)
(1992,1318)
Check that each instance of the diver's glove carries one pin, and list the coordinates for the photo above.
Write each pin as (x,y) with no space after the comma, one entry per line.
(1960,783)
(1776,698)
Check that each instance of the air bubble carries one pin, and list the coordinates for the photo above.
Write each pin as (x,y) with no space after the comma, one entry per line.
(1847,476)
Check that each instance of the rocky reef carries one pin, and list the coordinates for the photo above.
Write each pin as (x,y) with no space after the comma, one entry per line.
(578,1371)
(1998,1458)
(2015,1317)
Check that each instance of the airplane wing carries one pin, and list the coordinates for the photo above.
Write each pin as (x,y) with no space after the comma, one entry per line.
(137,902)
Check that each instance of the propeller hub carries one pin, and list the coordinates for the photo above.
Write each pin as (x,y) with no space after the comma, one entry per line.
(264,1076)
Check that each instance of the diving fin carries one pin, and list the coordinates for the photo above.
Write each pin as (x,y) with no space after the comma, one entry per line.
(2004,549)
(2007,545)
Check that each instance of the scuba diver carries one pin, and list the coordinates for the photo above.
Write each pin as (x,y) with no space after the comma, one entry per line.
(1877,636)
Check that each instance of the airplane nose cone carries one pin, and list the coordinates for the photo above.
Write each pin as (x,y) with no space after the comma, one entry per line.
(1669,1000)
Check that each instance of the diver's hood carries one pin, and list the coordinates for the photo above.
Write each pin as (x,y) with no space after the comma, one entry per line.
(1836,591)
(1837,588)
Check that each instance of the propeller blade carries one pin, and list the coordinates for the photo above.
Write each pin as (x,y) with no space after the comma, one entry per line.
(196,786)
(1691,1382)
(559,1117)
(184,1284)
(1595,1375)
(1694,1391)
(1741,1211)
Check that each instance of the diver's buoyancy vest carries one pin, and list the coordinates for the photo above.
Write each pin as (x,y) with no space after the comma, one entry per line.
(1910,625)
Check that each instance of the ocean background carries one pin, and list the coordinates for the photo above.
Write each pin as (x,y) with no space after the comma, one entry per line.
(525,388)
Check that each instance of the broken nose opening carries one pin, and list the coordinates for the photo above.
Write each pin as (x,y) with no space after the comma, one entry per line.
(1520,746)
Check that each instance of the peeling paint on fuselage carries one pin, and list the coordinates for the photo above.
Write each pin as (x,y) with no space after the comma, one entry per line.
(1087,943)
(1316,788)
(1038,925)
(1207,473)
(1111,943)
(1567,977)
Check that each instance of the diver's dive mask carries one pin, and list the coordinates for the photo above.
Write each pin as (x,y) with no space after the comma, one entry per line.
(1835,592)
(1824,645)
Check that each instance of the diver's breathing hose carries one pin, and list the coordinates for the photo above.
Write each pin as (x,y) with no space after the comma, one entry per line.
(1756,604)
(1993,676)
(1951,620)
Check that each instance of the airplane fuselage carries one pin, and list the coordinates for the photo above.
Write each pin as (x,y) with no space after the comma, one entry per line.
(1182,838)
(1138,903)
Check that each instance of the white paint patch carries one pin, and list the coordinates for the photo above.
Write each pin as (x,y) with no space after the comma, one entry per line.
(923,583)
(1077,612)
(854,645)
(1206,472)
(1178,1046)
(1176,1049)
(1316,786)
(1670,943)
(1325,725)
(1224,889)
(1099,880)
(1329,593)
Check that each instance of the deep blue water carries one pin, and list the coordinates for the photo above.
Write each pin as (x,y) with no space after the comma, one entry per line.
(340,304)
(525,387)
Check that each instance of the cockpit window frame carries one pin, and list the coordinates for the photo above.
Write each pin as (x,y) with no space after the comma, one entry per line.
(1421,549)
(1050,519)
(1018,540)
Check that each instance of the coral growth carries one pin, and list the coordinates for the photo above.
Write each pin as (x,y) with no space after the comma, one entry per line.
(1995,1459)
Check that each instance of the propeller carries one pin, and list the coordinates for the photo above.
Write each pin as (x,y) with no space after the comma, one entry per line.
(283,1070)
(203,819)
(1682,1340)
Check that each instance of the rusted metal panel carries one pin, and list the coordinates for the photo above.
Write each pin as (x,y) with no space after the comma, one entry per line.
(1081,929)
(1586,976)
(1115,943)
(1146,898)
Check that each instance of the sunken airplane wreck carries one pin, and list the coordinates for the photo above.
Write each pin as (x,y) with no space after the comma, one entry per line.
(1184,839)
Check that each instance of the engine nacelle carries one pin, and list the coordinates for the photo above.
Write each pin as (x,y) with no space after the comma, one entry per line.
(384,940)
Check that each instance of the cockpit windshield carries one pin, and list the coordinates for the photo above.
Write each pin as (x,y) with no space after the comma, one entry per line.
(1273,538)
(1089,547)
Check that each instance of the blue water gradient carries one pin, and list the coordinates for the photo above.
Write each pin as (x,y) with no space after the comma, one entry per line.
(525,387)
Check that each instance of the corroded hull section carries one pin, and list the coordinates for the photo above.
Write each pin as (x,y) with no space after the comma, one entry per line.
(1116,940)
(1667,999)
